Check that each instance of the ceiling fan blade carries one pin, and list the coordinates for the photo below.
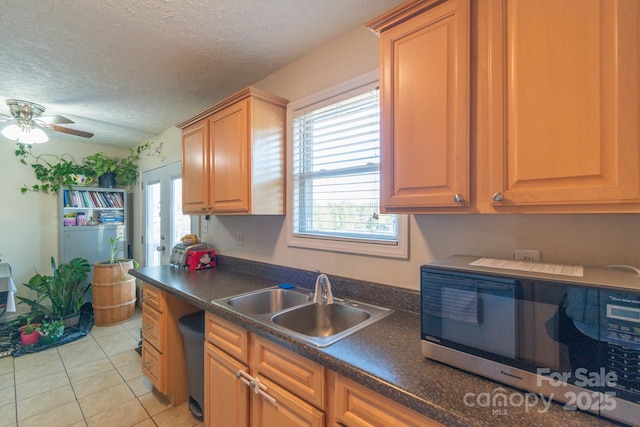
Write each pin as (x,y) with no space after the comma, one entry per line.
(54,120)
(4,118)
(71,131)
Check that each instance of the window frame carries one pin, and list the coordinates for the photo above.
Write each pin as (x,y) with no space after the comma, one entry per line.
(344,90)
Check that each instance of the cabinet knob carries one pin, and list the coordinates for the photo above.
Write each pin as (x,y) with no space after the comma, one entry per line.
(497,196)
(457,198)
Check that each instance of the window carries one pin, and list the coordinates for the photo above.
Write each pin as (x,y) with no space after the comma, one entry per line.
(336,169)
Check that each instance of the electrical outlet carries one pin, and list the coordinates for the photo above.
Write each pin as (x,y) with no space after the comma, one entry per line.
(527,254)
(239,237)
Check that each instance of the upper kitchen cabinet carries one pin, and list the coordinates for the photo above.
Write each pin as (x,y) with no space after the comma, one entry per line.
(561,105)
(235,150)
(425,67)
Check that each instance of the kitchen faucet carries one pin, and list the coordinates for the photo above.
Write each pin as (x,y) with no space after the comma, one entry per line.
(323,294)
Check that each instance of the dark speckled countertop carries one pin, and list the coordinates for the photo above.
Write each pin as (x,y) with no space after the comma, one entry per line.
(385,356)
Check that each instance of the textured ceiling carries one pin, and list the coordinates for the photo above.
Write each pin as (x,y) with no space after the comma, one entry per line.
(127,70)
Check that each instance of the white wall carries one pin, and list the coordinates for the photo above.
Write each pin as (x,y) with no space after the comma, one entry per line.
(29,221)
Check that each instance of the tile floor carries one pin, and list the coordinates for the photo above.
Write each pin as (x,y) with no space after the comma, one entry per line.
(94,381)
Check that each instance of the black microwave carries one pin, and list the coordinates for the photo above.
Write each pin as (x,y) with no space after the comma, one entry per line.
(570,333)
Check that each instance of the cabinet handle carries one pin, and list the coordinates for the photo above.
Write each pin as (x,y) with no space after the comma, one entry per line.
(457,198)
(255,384)
(146,296)
(497,196)
(261,389)
(147,366)
(148,327)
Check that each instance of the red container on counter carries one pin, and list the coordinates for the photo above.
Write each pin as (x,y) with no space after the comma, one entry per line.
(198,260)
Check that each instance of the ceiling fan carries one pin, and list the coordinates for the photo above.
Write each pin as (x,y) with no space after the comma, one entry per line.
(28,120)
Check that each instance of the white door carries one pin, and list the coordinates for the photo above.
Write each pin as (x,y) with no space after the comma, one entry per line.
(164,224)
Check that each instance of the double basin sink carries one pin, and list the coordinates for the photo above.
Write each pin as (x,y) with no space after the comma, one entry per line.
(293,312)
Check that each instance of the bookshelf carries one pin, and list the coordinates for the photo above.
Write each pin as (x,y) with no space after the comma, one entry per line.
(88,218)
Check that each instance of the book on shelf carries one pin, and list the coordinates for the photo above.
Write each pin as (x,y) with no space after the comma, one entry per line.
(92,199)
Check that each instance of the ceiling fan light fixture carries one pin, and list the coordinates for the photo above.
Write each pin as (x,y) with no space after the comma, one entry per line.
(25,134)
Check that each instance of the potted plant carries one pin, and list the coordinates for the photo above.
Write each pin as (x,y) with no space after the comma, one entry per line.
(51,331)
(104,167)
(114,289)
(65,290)
(29,334)
(124,171)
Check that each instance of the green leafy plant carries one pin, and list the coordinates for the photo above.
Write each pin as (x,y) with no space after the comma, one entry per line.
(51,170)
(55,172)
(64,290)
(126,168)
(52,328)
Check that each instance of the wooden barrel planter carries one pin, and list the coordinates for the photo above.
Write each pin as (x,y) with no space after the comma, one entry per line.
(114,293)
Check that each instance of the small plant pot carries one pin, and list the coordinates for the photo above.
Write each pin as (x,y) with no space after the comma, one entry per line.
(71,319)
(48,338)
(29,339)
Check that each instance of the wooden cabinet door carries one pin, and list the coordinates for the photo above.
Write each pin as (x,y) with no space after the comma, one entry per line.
(226,397)
(195,168)
(230,159)
(425,108)
(286,410)
(563,96)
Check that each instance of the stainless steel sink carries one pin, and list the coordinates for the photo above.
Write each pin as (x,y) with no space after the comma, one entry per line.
(292,312)
(269,300)
(321,320)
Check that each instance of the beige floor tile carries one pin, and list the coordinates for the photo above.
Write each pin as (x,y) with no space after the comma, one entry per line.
(123,415)
(7,395)
(103,331)
(33,359)
(125,345)
(88,370)
(178,416)
(83,357)
(140,385)
(6,365)
(62,416)
(83,344)
(113,338)
(82,423)
(41,385)
(154,402)
(125,358)
(45,402)
(130,371)
(8,415)
(97,383)
(7,380)
(146,423)
(106,399)
(40,370)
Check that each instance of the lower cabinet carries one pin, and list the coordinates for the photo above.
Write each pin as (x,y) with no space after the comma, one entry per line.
(357,406)
(266,386)
(250,381)
(163,359)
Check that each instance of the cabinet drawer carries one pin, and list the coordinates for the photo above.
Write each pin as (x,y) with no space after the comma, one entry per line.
(357,406)
(229,337)
(295,373)
(152,327)
(153,296)
(152,366)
